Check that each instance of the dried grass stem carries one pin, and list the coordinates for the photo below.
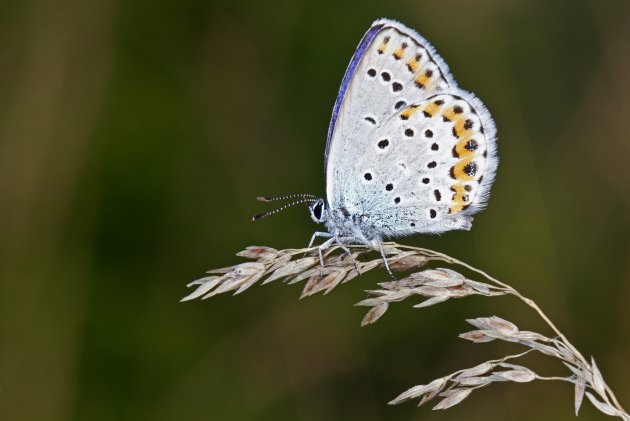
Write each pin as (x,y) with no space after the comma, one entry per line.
(435,285)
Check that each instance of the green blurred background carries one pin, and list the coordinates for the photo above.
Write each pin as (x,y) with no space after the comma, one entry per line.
(134,136)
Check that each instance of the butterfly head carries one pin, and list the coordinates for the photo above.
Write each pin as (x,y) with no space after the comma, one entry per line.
(316,205)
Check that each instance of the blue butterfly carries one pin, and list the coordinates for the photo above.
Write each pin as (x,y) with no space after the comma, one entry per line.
(408,151)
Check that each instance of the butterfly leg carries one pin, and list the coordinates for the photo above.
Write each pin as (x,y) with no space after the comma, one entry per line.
(315,235)
(344,248)
(321,248)
(318,234)
(380,245)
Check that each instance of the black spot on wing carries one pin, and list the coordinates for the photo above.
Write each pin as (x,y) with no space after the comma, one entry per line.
(471,168)
(472,145)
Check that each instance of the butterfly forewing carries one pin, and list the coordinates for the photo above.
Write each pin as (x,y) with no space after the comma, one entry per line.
(393,68)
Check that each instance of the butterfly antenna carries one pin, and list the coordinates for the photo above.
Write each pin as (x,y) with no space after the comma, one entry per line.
(288,205)
(291,196)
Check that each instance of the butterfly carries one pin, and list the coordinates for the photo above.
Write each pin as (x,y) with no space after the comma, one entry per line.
(408,151)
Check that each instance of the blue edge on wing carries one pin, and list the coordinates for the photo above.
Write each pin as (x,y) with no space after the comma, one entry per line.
(358,54)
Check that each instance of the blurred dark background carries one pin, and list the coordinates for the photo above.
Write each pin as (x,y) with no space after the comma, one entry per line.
(135,135)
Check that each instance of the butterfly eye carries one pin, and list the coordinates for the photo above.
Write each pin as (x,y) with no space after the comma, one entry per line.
(317,211)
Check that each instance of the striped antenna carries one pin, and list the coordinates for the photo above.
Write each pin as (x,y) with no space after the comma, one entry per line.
(291,196)
(288,205)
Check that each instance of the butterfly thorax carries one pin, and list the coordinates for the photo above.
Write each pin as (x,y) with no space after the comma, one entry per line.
(345,223)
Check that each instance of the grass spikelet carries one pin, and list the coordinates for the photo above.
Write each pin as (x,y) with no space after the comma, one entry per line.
(433,286)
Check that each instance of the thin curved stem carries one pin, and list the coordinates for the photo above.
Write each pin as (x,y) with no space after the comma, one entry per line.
(608,396)
(533,305)
(272,264)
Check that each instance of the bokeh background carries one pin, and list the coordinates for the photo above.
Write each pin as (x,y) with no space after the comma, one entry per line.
(134,136)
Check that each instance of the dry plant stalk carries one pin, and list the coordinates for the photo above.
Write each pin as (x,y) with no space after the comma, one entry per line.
(436,285)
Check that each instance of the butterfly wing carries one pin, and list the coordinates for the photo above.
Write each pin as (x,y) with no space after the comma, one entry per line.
(392,67)
(428,168)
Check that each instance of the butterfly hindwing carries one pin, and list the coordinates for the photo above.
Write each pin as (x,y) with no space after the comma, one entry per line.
(428,168)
